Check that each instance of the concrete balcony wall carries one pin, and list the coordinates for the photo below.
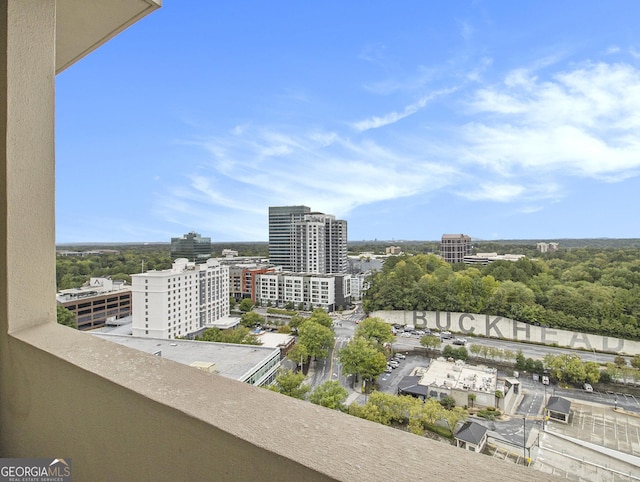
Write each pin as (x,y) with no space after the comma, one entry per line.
(125,415)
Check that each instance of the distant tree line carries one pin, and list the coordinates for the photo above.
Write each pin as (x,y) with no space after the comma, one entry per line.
(585,290)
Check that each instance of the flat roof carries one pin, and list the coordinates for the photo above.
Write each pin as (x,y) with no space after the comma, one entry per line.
(231,361)
(225,323)
(442,373)
(274,340)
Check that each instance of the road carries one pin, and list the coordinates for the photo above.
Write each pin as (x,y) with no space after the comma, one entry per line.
(534,399)
(537,352)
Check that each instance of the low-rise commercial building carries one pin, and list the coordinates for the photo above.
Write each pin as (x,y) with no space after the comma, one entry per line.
(486,258)
(454,379)
(100,301)
(256,365)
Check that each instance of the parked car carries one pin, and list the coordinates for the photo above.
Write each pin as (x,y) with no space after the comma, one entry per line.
(400,355)
(445,335)
(588,387)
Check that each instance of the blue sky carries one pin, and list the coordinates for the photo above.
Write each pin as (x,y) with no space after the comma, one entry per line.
(409,119)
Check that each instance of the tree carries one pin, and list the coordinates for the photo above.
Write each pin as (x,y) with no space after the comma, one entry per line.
(316,338)
(454,416)
(635,361)
(430,342)
(298,354)
(475,349)
(448,402)
(471,398)
(290,384)
(620,361)
(232,303)
(592,372)
(295,321)
(461,353)
(330,394)
(65,317)
(529,365)
(361,357)
(375,329)
(566,368)
(455,353)
(321,317)
(240,336)
(245,305)
(521,361)
(251,318)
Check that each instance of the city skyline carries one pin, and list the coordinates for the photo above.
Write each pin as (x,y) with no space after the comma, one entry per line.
(498,120)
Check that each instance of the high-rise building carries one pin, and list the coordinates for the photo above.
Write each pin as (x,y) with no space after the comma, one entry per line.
(309,242)
(191,246)
(454,247)
(181,300)
(319,244)
(281,221)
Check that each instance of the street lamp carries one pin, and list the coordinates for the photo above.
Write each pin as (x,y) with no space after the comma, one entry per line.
(524,439)
(544,409)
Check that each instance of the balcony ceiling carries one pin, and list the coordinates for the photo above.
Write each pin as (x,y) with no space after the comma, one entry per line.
(84,25)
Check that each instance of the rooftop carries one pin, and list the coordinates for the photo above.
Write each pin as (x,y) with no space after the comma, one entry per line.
(471,432)
(95,287)
(441,373)
(559,404)
(231,361)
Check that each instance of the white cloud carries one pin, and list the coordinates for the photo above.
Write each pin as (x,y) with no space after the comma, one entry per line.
(466,30)
(392,117)
(518,141)
(581,122)
(495,192)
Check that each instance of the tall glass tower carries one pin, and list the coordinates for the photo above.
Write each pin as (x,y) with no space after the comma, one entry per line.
(281,223)
(191,246)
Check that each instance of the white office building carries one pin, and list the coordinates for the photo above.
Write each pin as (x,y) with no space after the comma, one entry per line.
(181,300)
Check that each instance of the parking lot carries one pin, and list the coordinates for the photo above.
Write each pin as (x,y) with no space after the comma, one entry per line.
(594,424)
